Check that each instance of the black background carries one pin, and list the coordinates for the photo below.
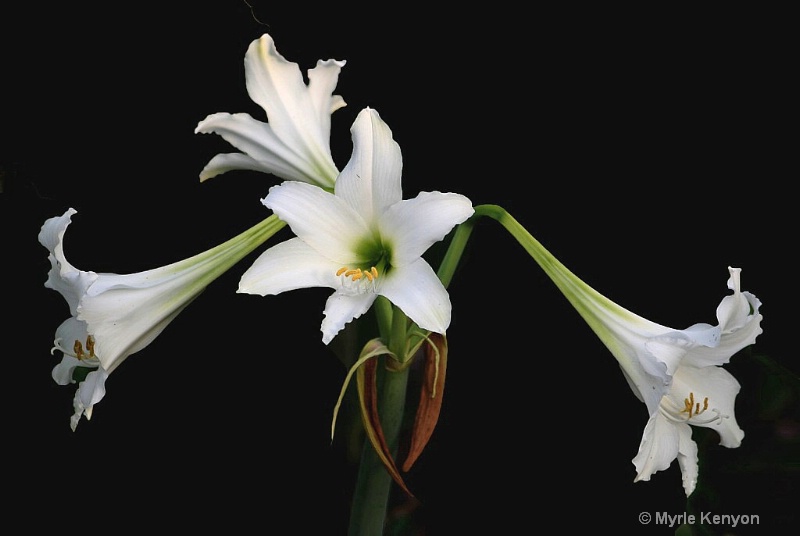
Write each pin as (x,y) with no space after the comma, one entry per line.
(647,150)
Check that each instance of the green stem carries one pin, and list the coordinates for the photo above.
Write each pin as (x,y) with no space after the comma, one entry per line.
(454,251)
(371,496)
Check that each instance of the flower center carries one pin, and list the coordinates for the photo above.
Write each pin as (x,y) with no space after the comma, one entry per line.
(690,406)
(693,409)
(357,279)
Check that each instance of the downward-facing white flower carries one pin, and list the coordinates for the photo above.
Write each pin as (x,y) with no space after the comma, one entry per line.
(295,143)
(362,241)
(676,373)
(114,316)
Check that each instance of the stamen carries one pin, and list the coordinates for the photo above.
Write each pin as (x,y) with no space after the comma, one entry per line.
(78,349)
(696,413)
(688,405)
(693,408)
(365,279)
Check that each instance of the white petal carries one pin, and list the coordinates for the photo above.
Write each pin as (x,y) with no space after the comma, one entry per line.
(721,388)
(277,85)
(729,345)
(416,224)
(124,318)
(89,392)
(740,308)
(258,141)
(93,388)
(687,460)
(288,266)
(70,331)
(342,308)
(739,325)
(419,293)
(322,81)
(222,163)
(64,278)
(62,373)
(659,446)
(322,220)
(669,349)
(371,181)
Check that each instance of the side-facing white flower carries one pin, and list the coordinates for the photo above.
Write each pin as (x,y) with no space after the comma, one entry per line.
(676,373)
(363,240)
(295,144)
(114,316)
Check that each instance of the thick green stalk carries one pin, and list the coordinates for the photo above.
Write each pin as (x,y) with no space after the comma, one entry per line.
(374,484)
(454,251)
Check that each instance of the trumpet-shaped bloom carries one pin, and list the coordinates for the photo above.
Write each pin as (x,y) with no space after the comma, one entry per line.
(363,240)
(676,373)
(295,143)
(114,316)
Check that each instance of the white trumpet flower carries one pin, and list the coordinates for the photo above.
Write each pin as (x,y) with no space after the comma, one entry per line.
(363,240)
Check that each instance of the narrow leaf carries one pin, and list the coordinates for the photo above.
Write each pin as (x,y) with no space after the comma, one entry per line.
(372,349)
(430,398)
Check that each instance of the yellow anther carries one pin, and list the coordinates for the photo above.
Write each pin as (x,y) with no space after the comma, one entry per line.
(356,274)
(688,405)
(78,349)
(90,345)
(693,408)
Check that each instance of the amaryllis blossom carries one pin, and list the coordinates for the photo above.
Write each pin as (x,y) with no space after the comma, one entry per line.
(295,142)
(113,316)
(363,240)
(677,373)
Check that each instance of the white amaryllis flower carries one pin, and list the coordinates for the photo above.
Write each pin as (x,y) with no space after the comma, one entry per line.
(295,143)
(676,373)
(114,316)
(362,241)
